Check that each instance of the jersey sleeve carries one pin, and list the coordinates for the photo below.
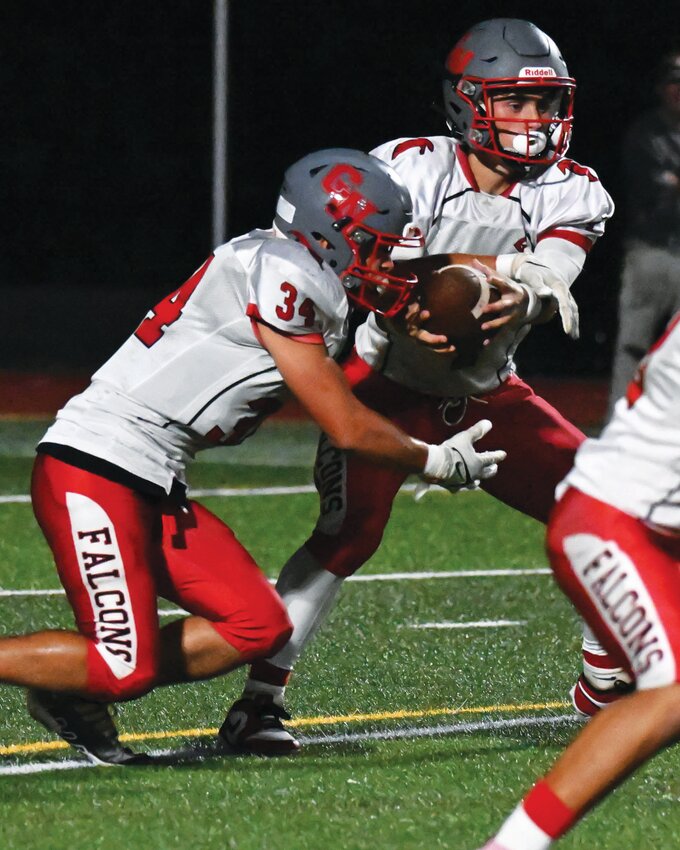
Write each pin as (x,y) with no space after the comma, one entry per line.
(287,296)
(574,206)
(422,163)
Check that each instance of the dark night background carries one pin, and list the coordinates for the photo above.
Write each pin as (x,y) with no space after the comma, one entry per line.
(106,143)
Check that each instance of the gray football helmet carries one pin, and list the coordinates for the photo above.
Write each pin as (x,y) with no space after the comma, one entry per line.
(496,57)
(350,210)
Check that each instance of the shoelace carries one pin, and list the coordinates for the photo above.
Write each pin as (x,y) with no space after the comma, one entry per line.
(273,710)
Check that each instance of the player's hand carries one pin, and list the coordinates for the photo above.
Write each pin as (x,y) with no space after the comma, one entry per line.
(456,465)
(510,307)
(543,281)
(412,318)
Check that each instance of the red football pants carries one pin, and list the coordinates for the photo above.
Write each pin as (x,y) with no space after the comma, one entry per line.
(356,495)
(116,551)
(624,578)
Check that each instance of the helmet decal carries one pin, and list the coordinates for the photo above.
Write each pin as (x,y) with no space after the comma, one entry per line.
(459,57)
(344,199)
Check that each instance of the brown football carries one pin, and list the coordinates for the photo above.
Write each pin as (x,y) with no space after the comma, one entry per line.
(455,296)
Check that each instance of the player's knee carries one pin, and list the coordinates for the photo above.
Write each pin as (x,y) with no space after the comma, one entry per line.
(261,640)
(273,627)
(276,637)
(261,632)
(344,553)
(108,688)
(118,674)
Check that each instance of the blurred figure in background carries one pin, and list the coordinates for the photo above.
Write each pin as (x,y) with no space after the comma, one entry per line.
(650,286)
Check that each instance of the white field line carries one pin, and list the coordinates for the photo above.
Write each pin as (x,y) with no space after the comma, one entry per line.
(474,624)
(21,499)
(411,732)
(419,576)
(218,491)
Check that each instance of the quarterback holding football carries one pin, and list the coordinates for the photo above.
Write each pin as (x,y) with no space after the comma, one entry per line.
(499,189)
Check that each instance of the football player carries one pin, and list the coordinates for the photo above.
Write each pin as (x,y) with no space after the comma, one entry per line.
(500,188)
(266,312)
(614,546)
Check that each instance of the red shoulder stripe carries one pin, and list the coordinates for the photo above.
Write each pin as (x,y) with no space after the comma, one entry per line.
(579,239)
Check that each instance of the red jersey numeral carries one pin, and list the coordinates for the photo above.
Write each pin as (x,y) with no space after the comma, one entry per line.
(286,311)
(261,407)
(307,312)
(167,311)
(422,144)
(565,165)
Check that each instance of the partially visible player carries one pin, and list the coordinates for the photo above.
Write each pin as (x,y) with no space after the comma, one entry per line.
(501,188)
(614,546)
(266,313)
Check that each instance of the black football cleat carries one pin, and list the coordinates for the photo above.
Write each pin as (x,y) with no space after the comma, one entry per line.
(253,725)
(87,726)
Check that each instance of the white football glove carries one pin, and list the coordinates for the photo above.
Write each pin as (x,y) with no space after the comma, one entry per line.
(543,281)
(456,465)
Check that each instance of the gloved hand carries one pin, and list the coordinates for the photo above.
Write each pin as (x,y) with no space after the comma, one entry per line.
(543,281)
(456,465)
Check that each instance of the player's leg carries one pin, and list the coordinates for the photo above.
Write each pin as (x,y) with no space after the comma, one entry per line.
(625,736)
(355,500)
(236,615)
(104,540)
(622,577)
(350,528)
(541,445)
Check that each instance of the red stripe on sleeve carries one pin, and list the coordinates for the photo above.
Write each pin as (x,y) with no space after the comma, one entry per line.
(570,236)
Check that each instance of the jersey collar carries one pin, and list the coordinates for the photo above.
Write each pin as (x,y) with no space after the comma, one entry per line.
(470,177)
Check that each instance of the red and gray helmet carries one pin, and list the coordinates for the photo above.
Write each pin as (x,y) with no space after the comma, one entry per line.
(349,208)
(496,57)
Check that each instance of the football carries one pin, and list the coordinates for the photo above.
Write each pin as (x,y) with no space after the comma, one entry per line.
(455,296)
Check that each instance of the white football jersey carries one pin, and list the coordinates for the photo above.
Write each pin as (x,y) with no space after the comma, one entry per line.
(194,373)
(635,463)
(566,202)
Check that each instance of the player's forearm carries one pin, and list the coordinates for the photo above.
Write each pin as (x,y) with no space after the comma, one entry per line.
(372,436)
(466,259)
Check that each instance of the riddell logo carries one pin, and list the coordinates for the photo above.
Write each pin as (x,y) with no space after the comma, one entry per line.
(537,72)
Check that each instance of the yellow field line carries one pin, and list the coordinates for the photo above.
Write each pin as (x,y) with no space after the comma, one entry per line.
(327,720)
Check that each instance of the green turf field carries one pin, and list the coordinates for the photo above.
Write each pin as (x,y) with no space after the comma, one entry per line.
(421,731)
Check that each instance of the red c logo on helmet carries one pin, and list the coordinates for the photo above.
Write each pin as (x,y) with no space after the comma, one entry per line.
(340,183)
(459,57)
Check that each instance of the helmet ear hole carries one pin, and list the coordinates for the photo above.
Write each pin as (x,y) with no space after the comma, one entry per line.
(323,240)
